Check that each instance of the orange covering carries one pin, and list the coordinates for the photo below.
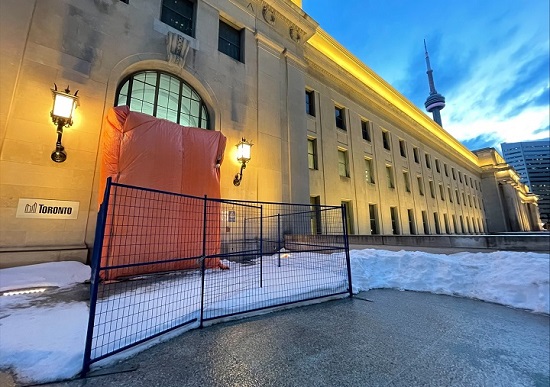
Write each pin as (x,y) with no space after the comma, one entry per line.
(144,226)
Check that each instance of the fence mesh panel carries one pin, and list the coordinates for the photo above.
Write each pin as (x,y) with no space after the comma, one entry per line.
(163,261)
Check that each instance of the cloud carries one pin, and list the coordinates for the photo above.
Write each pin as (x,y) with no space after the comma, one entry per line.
(486,140)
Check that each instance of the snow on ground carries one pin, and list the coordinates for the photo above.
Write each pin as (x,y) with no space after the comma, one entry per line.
(45,342)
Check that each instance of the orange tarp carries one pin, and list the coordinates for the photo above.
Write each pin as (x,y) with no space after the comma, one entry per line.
(146,226)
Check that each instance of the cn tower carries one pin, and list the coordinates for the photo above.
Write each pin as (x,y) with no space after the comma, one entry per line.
(435,101)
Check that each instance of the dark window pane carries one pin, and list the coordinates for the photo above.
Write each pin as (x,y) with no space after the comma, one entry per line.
(178,14)
(229,41)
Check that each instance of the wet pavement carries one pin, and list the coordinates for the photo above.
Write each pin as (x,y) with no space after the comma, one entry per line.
(378,338)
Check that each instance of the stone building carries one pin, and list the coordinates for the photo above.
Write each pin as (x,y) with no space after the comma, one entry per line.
(326,129)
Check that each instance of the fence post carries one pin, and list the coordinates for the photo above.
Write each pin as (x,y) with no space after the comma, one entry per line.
(203,259)
(96,265)
(346,247)
(261,244)
(278,240)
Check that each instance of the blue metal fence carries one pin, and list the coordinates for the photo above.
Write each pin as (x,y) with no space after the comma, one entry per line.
(159,262)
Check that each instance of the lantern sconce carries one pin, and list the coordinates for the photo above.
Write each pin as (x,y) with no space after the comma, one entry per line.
(62,115)
(243,156)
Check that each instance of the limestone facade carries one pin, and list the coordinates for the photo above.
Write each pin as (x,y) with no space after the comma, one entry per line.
(93,45)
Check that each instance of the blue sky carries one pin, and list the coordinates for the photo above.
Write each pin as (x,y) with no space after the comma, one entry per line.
(491,59)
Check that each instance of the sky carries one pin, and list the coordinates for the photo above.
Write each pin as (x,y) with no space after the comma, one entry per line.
(490,59)
(42,339)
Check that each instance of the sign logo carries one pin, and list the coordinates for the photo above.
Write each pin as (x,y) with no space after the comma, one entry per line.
(47,209)
(31,208)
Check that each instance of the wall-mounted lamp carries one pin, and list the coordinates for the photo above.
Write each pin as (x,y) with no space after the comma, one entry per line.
(62,115)
(243,156)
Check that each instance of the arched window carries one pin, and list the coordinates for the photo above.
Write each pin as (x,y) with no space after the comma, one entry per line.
(165,96)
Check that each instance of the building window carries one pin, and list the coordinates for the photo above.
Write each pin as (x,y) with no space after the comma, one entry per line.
(343,169)
(407,181)
(412,226)
(415,154)
(425,224)
(460,176)
(312,153)
(457,197)
(432,188)
(420,185)
(466,180)
(447,227)
(428,161)
(450,194)
(441,192)
(389,176)
(365,130)
(349,216)
(386,139)
(179,14)
(462,228)
(446,170)
(339,116)
(402,148)
(394,221)
(453,173)
(165,96)
(373,221)
(469,200)
(316,225)
(464,198)
(437,166)
(479,225)
(310,102)
(229,41)
(369,172)
(454,224)
(471,182)
(475,202)
(436,222)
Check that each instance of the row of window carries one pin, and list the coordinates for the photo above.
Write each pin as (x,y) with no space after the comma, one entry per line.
(343,171)
(366,129)
(181,15)
(467,224)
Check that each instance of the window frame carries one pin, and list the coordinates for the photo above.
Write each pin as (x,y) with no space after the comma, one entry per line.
(340,117)
(228,27)
(402,148)
(128,84)
(366,130)
(345,163)
(310,102)
(369,171)
(165,17)
(312,156)
(386,140)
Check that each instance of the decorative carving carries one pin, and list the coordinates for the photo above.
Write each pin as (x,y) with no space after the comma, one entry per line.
(295,33)
(177,47)
(268,14)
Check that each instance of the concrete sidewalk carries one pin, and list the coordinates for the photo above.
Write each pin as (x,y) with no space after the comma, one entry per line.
(379,338)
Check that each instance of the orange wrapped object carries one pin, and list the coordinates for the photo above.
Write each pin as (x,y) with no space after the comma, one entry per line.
(145,226)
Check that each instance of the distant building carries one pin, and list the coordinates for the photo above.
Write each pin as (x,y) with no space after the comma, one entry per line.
(509,204)
(531,159)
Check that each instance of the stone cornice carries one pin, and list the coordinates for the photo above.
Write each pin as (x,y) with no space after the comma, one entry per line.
(270,45)
(363,95)
(334,51)
(299,26)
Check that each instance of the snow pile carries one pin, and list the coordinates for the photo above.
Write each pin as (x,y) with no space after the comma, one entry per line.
(520,280)
(58,274)
(43,344)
